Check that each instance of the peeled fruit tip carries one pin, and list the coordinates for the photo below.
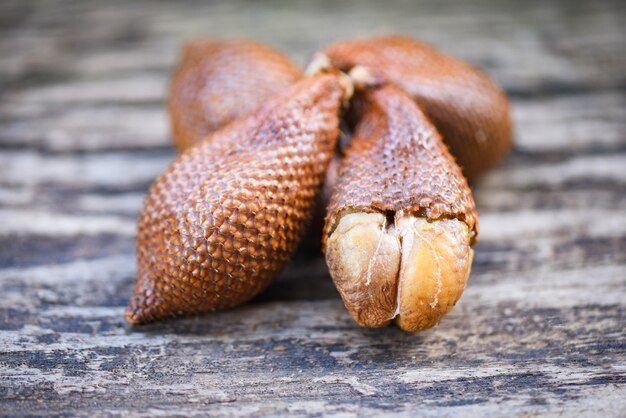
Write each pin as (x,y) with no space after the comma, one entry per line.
(364,261)
(362,77)
(399,267)
(319,63)
(347,85)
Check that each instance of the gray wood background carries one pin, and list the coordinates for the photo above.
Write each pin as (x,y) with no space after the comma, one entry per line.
(83,132)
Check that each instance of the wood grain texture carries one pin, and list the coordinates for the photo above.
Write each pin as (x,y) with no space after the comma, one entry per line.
(83,133)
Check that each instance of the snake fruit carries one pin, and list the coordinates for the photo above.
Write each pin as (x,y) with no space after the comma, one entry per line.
(227,214)
(469,109)
(401,219)
(217,82)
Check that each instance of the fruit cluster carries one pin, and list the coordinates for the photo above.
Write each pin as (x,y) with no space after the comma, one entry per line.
(259,147)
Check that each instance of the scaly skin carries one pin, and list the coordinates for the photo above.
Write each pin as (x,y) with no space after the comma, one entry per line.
(467,107)
(401,219)
(217,82)
(220,224)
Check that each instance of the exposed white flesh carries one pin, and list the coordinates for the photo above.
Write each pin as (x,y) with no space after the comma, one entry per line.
(412,271)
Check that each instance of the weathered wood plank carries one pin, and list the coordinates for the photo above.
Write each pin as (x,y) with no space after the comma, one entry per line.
(523,44)
(83,132)
(266,358)
(575,123)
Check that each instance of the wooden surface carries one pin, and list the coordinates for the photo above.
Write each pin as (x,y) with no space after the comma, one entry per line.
(83,132)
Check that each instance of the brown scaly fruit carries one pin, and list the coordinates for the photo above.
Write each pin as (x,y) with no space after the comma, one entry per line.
(227,214)
(401,219)
(217,82)
(468,108)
